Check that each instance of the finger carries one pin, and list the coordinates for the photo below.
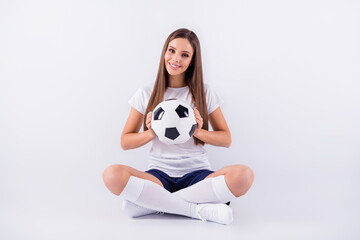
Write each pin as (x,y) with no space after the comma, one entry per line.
(199,117)
(197,113)
(149,115)
(148,124)
(199,122)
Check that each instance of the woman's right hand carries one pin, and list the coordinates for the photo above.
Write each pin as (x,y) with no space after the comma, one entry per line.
(148,124)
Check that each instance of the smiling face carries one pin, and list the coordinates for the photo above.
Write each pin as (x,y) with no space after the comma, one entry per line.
(178,56)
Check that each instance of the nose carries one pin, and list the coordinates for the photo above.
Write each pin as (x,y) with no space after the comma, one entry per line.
(176,58)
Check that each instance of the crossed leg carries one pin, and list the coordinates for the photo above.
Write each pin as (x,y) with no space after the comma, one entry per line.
(145,190)
(239,178)
(148,192)
(221,186)
(117,176)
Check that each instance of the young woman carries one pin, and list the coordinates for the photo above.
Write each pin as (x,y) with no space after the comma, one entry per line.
(179,179)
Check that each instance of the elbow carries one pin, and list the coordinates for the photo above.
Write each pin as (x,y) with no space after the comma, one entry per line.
(228,142)
(123,144)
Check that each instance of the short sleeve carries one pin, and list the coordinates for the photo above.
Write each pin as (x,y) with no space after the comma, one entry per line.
(213,100)
(138,101)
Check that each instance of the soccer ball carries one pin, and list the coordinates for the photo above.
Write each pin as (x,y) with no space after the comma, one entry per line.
(173,121)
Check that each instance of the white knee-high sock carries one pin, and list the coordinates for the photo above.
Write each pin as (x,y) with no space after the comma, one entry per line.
(152,196)
(210,190)
(133,210)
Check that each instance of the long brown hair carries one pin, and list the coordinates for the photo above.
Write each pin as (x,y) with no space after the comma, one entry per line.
(193,79)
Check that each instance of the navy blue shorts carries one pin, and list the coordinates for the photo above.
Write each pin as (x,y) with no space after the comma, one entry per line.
(173,184)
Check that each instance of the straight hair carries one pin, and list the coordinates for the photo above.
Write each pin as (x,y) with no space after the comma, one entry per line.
(193,79)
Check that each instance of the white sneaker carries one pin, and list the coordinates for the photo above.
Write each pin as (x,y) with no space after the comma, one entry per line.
(219,213)
(134,210)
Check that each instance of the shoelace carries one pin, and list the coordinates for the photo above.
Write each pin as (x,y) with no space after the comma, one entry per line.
(198,210)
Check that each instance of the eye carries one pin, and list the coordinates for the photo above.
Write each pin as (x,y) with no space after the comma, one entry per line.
(186,55)
(171,50)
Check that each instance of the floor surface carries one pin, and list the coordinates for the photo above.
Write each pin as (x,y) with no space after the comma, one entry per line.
(104,222)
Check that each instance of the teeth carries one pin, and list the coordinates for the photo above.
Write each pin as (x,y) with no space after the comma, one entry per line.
(174,66)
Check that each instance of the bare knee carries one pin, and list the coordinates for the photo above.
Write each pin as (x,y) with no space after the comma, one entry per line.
(241,178)
(115,178)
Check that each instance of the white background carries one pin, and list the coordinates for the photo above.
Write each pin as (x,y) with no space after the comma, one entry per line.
(287,70)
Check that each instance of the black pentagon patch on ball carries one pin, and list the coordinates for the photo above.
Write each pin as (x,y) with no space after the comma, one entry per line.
(182,111)
(158,114)
(171,133)
(192,130)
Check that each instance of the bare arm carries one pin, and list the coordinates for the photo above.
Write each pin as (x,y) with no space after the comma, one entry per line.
(220,136)
(130,136)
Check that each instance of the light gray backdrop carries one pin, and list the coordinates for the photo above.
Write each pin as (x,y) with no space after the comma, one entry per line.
(287,70)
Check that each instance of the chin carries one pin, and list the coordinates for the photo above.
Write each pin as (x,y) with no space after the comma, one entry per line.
(172,73)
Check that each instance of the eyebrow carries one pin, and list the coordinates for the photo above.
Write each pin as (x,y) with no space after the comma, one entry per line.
(176,49)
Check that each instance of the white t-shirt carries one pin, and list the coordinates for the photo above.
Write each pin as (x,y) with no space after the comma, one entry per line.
(178,159)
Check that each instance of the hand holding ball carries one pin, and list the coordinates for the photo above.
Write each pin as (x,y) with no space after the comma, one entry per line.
(173,121)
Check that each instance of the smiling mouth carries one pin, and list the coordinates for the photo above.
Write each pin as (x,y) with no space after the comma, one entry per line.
(174,67)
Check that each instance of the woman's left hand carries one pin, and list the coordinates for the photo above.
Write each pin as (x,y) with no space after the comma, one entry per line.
(199,121)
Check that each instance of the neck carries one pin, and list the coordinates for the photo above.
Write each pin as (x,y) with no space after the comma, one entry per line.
(177,81)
